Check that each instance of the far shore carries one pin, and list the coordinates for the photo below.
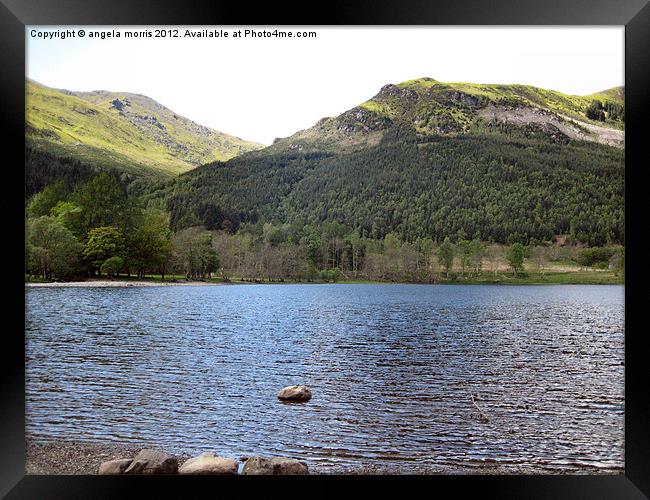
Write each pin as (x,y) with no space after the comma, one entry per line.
(120,283)
(551,278)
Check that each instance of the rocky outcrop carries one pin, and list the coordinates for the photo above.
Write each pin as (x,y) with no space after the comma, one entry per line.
(119,105)
(361,120)
(322,121)
(209,463)
(392,90)
(553,124)
(295,394)
(153,462)
(277,466)
(457,97)
(113,467)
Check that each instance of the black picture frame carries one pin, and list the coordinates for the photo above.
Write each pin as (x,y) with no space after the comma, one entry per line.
(634,14)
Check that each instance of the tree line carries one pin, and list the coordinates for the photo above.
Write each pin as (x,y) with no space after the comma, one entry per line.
(97,229)
(333,251)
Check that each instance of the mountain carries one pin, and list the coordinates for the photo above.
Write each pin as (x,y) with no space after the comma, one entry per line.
(129,132)
(429,159)
(433,108)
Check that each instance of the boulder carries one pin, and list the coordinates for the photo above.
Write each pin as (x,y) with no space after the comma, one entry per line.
(114,466)
(153,462)
(295,393)
(257,466)
(277,466)
(208,463)
(283,466)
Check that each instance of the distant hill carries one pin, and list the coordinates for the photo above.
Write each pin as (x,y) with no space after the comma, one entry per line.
(430,159)
(128,132)
(616,94)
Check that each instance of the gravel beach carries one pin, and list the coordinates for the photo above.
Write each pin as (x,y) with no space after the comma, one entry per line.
(83,458)
(76,458)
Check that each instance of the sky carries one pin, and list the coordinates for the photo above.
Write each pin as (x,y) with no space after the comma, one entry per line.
(260,88)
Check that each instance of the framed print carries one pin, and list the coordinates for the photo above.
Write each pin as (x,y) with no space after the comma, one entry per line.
(393,244)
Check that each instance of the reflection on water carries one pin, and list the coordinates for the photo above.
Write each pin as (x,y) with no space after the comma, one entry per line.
(392,369)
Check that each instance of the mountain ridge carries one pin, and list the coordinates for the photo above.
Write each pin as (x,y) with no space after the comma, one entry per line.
(435,108)
(420,159)
(132,132)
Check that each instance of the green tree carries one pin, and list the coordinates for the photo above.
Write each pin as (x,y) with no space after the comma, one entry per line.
(595,111)
(539,255)
(332,241)
(355,248)
(275,235)
(52,249)
(465,254)
(209,260)
(102,203)
(311,242)
(192,253)
(446,255)
(617,263)
(515,257)
(478,251)
(103,242)
(112,266)
(596,257)
(65,211)
(42,203)
(148,245)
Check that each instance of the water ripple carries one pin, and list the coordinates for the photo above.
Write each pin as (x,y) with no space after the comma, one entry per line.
(392,368)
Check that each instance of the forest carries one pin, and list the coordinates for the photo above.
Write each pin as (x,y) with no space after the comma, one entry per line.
(97,229)
(506,184)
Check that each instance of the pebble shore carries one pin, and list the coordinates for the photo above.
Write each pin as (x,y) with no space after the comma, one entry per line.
(79,458)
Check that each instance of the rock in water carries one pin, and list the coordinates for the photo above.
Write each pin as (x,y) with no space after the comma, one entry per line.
(114,466)
(153,462)
(277,466)
(295,393)
(208,463)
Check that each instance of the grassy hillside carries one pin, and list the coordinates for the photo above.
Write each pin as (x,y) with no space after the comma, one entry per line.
(120,130)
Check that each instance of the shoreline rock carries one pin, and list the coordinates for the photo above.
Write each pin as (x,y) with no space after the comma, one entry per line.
(153,462)
(209,463)
(113,467)
(71,457)
(276,466)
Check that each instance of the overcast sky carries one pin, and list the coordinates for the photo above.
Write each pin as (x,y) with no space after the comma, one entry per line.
(262,88)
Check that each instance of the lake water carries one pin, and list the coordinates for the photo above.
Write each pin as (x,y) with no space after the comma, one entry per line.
(392,368)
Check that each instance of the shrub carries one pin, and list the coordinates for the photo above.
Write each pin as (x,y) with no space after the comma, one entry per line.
(112,266)
(330,274)
(515,257)
(595,257)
